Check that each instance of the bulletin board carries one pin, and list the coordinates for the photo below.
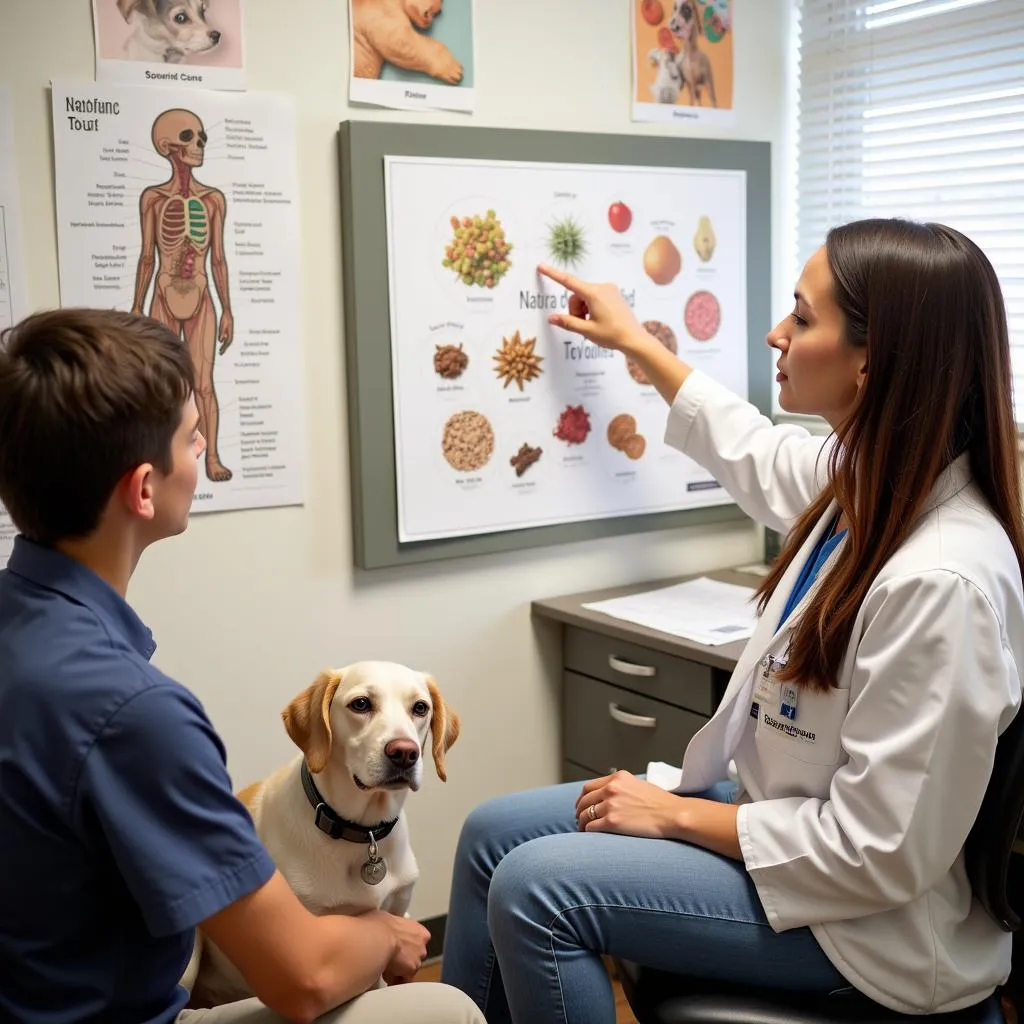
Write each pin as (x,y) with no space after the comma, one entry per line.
(476,427)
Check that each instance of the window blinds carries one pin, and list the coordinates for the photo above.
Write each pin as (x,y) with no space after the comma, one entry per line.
(915,108)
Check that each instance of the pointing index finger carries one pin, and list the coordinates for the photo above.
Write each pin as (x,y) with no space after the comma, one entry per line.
(566,280)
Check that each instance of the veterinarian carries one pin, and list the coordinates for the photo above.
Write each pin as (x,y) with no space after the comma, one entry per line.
(863,716)
(120,832)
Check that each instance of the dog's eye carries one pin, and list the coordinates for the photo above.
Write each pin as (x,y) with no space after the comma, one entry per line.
(181,18)
(421,708)
(360,705)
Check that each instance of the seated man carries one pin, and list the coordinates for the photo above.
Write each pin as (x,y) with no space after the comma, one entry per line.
(120,832)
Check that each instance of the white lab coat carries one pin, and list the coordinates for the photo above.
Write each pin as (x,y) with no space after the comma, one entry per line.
(854,822)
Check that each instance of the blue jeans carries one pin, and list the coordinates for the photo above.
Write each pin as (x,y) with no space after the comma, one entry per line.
(535,903)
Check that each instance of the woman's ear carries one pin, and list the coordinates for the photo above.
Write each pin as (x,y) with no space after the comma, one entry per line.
(444,728)
(307,719)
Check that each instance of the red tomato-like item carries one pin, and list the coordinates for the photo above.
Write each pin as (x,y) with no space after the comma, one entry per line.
(652,11)
(620,216)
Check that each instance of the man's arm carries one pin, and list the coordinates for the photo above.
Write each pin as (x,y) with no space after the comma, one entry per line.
(301,965)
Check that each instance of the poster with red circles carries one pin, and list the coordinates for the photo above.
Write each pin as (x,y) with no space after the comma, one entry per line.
(504,421)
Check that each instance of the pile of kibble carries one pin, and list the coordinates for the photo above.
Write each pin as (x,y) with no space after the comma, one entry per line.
(450,361)
(478,251)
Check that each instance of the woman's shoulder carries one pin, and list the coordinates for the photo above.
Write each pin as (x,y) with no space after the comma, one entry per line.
(960,542)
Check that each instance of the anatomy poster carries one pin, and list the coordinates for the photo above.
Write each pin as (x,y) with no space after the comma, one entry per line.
(682,60)
(412,54)
(13,280)
(503,421)
(194,43)
(184,206)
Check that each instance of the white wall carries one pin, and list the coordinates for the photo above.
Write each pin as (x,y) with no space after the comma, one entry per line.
(247,607)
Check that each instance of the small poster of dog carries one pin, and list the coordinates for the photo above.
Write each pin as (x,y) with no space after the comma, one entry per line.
(682,60)
(170,42)
(412,54)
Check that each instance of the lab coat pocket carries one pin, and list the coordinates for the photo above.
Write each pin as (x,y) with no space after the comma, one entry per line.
(812,733)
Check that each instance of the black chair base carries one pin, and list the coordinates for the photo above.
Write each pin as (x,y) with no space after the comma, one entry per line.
(656,997)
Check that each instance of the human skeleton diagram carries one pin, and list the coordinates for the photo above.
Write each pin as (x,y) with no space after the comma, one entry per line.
(182,223)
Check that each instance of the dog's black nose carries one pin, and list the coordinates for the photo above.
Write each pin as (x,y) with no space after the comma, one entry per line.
(403,753)
(214,36)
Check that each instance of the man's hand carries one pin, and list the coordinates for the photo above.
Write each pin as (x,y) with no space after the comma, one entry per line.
(410,948)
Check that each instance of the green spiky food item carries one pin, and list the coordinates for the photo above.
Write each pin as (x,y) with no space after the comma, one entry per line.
(567,242)
(478,252)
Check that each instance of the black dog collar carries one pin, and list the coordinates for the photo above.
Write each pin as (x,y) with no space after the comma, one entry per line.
(332,824)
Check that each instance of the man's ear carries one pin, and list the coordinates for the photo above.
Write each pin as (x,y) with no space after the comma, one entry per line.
(307,719)
(444,728)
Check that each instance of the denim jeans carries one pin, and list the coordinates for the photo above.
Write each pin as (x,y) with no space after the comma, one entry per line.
(535,903)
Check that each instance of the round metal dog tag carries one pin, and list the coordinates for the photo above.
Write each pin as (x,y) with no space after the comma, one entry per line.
(373,872)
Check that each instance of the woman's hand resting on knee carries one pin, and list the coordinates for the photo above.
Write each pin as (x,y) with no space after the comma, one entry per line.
(628,806)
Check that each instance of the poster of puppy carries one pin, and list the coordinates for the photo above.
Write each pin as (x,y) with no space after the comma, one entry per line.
(412,54)
(167,42)
(682,60)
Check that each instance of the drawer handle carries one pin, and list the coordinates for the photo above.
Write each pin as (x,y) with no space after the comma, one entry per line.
(628,718)
(630,668)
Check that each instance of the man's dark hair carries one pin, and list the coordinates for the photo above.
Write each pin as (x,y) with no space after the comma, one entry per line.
(86,395)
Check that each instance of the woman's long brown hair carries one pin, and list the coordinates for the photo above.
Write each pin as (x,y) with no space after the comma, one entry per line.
(925,302)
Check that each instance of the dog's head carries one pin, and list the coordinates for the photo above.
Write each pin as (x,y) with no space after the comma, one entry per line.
(175,25)
(423,12)
(686,20)
(372,720)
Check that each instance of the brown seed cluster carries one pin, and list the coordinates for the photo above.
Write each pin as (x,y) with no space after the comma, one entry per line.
(517,360)
(623,437)
(525,458)
(450,361)
(665,335)
(468,441)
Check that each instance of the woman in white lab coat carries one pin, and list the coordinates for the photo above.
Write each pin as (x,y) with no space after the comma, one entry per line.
(862,718)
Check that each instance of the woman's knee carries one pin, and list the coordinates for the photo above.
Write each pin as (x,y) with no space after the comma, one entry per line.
(519,893)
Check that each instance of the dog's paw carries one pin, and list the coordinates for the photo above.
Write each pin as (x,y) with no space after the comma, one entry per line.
(451,72)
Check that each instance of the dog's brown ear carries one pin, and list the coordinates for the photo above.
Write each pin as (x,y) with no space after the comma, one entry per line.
(444,728)
(698,19)
(127,6)
(308,719)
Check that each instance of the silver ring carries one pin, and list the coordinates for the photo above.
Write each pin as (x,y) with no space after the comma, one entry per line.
(592,811)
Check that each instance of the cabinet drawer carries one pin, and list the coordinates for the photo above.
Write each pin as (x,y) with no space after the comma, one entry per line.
(577,773)
(608,727)
(677,681)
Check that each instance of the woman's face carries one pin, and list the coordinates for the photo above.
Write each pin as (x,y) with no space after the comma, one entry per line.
(819,372)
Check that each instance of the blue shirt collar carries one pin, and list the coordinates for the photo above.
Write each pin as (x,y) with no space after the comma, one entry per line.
(49,568)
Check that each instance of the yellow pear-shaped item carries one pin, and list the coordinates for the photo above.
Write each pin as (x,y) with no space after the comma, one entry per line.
(704,240)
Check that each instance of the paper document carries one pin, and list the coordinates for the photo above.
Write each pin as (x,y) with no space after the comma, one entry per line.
(703,610)
(13,283)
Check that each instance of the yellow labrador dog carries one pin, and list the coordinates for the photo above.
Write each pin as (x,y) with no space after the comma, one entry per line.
(332,818)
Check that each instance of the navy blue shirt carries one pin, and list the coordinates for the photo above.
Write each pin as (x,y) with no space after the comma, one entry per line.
(827,543)
(119,831)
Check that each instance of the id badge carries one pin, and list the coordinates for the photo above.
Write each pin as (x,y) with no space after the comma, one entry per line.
(787,705)
(765,684)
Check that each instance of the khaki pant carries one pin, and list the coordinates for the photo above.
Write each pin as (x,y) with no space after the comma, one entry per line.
(420,1002)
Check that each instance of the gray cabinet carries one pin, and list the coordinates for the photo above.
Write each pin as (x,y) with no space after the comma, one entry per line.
(624,704)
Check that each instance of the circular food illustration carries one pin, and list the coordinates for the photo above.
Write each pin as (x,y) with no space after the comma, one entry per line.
(449,361)
(573,425)
(468,441)
(665,335)
(703,315)
(478,251)
(517,361)
(662,260)
(622,436)
(704,240)
(567,242)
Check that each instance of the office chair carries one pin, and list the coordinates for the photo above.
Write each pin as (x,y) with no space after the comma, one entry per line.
(658,997)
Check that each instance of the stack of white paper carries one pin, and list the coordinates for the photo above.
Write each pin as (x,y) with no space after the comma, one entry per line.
(703,610)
